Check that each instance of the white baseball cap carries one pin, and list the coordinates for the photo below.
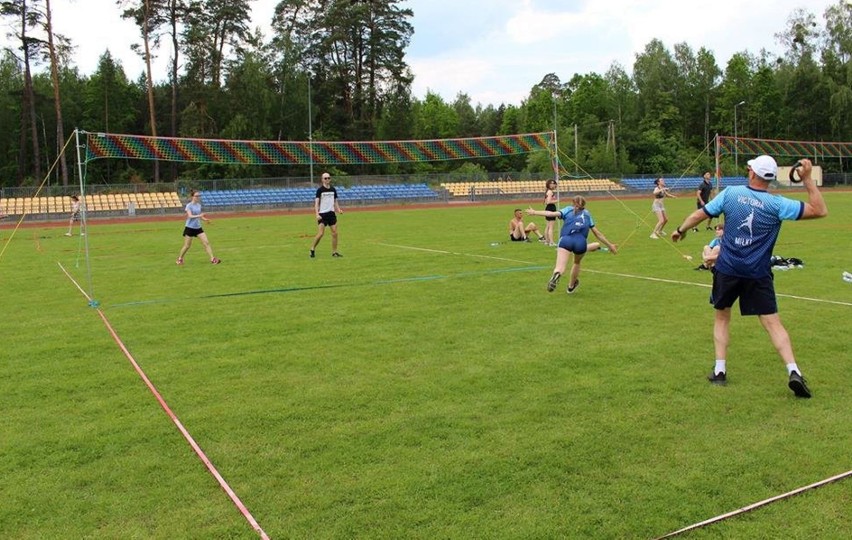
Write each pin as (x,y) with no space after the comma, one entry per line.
(764,167)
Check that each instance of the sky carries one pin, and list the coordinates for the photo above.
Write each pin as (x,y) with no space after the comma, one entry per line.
(496,50)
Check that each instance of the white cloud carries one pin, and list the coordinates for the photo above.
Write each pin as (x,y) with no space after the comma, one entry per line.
(536,37)
(530,25)
(466,72)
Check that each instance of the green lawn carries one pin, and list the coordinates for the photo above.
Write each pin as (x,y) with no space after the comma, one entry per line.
(423,386)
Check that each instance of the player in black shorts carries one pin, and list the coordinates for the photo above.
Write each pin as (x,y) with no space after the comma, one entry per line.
(326,209)
(702,197)
(550,206)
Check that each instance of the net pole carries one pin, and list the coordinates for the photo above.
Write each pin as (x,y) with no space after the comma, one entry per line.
(718,172)
(555,162)
(84,219)
(310,134)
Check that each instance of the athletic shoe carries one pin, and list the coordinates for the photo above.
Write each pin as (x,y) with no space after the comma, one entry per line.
(214,260)
(654,236)
(313,254)
(551,285)
(701,267)
(798,386)
(574,288)
(718,378)
(336,254)
(68,234)
(542,239)
(179,262)
(709,228)
(695,229)
(82,234)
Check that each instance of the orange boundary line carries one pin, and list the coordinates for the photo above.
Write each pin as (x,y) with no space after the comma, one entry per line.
(198,451)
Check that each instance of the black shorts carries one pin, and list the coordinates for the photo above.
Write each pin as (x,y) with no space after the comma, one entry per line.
(327,218)
(513,239)
(192,233)
(75,216)
(757,296)
(550,208)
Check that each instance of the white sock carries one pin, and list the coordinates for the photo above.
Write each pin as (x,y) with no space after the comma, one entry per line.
(791,367)
(720,367)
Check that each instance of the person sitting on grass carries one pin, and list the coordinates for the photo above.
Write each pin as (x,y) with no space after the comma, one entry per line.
(711,250)
(518,232)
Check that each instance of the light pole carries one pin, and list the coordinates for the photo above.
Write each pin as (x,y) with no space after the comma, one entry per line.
(576,151)
(555,160)
(311,133)
(736,139)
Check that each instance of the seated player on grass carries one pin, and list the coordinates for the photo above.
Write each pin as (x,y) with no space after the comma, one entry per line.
(519,232)
(711,250)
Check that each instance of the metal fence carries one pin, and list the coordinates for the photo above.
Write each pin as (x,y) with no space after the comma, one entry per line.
(184,186)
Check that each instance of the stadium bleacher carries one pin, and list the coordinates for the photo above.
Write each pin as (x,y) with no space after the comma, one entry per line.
(94,203)
(675,184)
(527,187)
(270,197)
(305,195)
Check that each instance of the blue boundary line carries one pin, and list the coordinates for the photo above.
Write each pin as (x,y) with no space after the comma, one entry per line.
(334,286)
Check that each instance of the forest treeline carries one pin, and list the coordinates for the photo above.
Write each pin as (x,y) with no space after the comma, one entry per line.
(338,68)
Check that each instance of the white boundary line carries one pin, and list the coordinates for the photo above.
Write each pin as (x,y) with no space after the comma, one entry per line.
(678,282)
(444,252)
(618,274)
(186,435)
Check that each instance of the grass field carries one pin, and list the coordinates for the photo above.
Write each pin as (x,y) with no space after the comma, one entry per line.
(423,386)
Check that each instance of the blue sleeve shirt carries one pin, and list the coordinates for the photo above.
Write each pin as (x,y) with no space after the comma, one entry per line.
(752,222)
(579,223)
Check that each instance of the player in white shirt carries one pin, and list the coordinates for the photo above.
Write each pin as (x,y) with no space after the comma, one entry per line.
(326,209)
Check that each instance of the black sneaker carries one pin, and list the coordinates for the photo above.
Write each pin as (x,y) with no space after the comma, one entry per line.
(798,386)
(695,229)
(701,267)
(551,285)
(574,288)
(313,254)
(336,254)
(718,378)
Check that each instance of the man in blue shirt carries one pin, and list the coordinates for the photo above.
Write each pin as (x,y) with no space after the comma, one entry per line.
(753,219)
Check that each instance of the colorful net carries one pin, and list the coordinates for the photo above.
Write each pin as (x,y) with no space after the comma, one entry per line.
(108,145)
(795,149)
